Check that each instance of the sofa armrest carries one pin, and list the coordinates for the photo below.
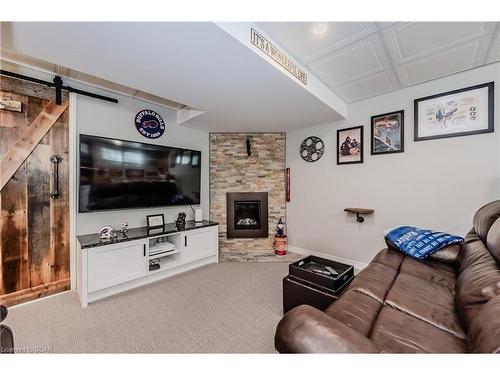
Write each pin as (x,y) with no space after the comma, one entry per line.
(305,329)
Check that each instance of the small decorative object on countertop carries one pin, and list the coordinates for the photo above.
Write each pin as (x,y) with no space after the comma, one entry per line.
(280,239)
(155,221)
(180,223)
(106,233)
(198,215)
(359,212)
(124,227)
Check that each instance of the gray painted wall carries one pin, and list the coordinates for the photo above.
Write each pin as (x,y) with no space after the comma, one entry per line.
(436,184)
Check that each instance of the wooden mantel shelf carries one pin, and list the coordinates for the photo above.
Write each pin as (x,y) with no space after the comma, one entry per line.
(355,210)
(359,211)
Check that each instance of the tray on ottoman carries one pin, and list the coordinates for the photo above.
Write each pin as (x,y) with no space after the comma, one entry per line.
(313,269)
(309,283)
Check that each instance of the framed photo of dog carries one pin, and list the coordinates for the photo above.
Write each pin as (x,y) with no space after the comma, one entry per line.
(455,113)
(350,145)
(387,133)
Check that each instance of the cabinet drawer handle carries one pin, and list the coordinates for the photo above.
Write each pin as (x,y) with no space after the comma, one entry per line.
(144,249)
(185,241)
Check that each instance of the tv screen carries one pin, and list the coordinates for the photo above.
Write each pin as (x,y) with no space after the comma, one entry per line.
(116,174)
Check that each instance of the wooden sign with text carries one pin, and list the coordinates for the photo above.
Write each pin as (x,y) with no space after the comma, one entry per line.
(265,46)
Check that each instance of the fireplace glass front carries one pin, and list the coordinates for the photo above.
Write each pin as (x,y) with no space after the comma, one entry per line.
(247,215)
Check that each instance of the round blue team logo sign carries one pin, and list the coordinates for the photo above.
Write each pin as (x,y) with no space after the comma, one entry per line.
(150,124)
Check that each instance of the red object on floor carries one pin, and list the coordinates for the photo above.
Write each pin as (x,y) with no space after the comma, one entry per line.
(280,245)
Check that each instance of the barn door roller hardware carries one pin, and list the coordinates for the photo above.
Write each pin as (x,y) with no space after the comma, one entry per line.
(58,85)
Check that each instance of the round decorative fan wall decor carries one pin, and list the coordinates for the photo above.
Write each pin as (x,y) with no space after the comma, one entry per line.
(311,149)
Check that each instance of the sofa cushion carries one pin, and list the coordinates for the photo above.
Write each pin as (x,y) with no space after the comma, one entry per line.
(389,257)
(426,301)
(484,331)
(477,283)
(434,272)
(473,251)
(375,281)
(397,332)
(356,310)
(485,217)
(478,274)
(449,254)
(493,241)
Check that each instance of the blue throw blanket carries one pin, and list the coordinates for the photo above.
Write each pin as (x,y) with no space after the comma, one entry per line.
(419,243)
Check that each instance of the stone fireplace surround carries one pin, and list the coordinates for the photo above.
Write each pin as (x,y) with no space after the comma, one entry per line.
(233,171)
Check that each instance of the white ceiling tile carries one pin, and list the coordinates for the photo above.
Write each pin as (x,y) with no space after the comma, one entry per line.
(413,40)
(402,75)
(384,25)
(363,59)
(299,39)
(441,64)
(482,50)
(352,62)
(393,78)
(377,84)
(494,53)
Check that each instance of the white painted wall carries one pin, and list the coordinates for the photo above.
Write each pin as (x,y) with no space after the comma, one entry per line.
(96,117)
(436,184)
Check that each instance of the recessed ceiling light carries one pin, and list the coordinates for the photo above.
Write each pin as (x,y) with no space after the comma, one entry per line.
(320,28)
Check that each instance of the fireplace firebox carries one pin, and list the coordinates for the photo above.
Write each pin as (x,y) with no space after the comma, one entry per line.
(247,215)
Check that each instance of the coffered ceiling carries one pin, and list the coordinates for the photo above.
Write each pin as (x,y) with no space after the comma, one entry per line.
(358,60)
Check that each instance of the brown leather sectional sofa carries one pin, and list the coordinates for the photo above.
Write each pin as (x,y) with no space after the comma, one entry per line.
(397,304)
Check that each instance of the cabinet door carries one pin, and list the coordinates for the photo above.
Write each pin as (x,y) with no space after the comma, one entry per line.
(111,265)
(199,244)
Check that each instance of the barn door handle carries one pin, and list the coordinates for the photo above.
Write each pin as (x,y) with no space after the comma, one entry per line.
(55,160)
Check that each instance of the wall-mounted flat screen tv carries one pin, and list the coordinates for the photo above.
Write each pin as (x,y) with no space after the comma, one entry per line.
(117,174)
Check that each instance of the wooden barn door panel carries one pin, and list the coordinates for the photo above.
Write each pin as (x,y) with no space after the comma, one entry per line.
(59,210)
(34,243)
(38,171)
(14,240)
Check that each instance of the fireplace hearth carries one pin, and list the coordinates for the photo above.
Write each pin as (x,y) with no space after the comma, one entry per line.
(247,215)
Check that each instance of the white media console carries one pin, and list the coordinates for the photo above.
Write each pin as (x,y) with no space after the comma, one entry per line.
(106,268)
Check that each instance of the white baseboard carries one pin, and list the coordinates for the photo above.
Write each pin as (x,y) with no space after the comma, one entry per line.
(358,266)
(39,299)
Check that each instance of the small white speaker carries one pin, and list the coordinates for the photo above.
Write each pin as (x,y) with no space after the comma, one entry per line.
(198,214)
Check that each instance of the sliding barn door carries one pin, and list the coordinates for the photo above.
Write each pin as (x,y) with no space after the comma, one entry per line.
(34,226)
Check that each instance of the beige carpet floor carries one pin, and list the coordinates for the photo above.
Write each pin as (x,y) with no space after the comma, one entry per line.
(220,308)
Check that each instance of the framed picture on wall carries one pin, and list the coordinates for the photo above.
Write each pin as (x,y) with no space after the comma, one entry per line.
(387,133)
(350,145)
(455,113)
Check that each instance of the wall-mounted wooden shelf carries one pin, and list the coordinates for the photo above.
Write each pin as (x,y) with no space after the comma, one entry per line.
(359,211)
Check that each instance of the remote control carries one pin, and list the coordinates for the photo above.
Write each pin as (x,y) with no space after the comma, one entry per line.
(326,273)
(331,270)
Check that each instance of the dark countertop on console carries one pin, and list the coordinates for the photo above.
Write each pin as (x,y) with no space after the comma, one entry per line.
(93,240)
